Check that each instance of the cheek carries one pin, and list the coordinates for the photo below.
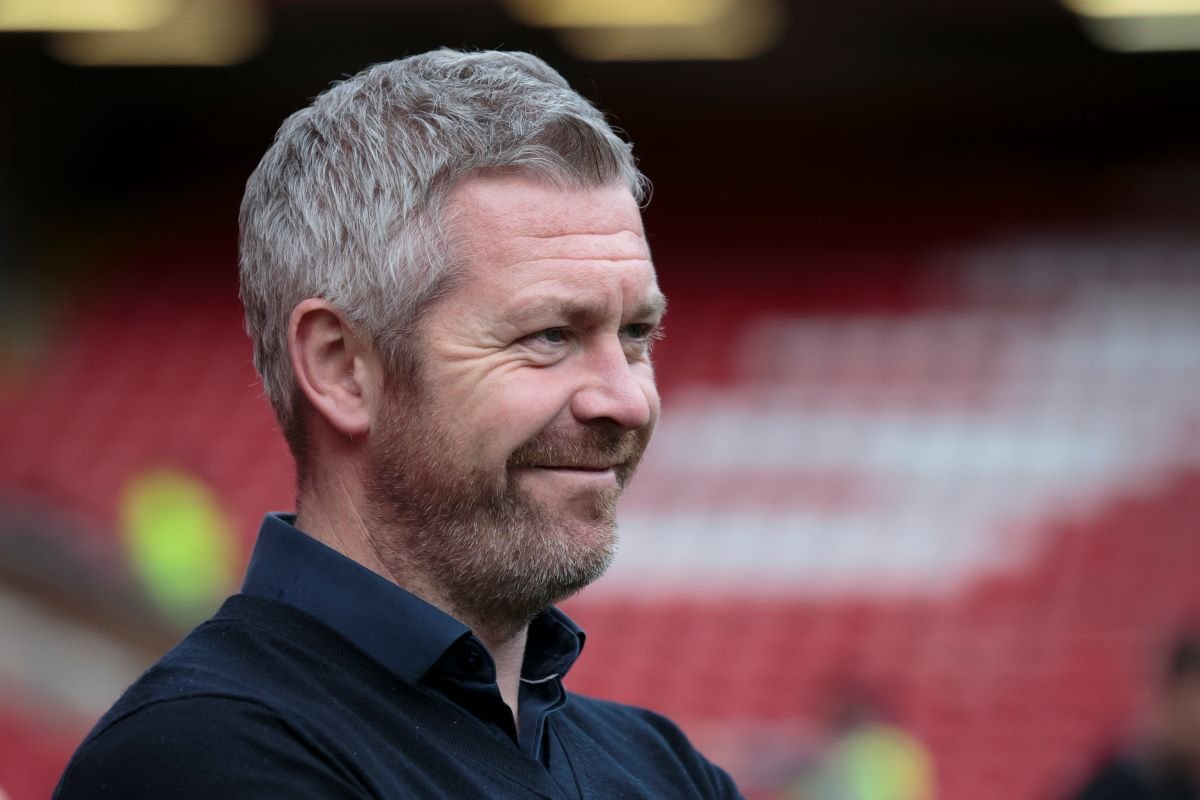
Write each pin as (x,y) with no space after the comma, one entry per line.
(511,413)
(650,389)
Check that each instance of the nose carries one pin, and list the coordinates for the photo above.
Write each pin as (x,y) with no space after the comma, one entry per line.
(615,390)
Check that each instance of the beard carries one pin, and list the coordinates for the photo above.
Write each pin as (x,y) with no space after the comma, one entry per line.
(488,548)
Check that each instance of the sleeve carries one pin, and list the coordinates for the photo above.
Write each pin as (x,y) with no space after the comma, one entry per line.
(715,780)
(652,750)
(722,785)
(203,747)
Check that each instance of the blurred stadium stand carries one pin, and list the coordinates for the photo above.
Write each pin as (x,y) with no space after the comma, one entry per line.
(984,502)
(931,379)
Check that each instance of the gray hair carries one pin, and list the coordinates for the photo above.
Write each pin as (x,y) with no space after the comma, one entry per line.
(346,204)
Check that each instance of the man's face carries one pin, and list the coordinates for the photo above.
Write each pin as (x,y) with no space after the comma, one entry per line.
(535,398)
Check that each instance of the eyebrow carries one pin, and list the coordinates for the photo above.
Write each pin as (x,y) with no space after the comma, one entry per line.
(653,308)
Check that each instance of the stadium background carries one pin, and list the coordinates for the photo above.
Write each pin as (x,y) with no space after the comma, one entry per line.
(931,380)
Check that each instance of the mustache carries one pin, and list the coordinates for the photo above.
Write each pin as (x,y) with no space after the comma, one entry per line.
(586,449)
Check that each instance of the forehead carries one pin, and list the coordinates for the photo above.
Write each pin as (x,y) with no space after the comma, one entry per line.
(513,219)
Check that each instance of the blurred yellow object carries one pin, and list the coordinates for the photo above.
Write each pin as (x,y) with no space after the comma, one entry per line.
(657,30)
(617,13)
(743,30)
(1145,34)
(202,33)
(179,542)
(1133,8)
(883,762)
(869,761)
(84,15)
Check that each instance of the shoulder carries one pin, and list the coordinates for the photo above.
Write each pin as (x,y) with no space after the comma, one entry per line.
(254,649)
(636,735)
(606,715)
(225,657)
(206,721)
(199,746)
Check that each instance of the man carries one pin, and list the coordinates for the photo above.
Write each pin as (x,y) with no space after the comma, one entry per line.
(452,304)
(1164,764)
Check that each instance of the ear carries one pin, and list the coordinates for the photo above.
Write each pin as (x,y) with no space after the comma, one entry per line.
(336,370)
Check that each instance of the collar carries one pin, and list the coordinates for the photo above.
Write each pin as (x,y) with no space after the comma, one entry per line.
(393,626)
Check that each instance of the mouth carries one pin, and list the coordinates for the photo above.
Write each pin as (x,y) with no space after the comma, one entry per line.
(578,467)
(576,474)
(591,456)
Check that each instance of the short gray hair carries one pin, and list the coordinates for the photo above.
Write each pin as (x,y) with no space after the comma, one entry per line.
(346,204)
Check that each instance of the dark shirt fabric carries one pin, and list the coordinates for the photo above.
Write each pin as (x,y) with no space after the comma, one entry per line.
(324,680)
(1132,778)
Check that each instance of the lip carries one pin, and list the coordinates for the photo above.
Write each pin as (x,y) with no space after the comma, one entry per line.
(576,467)
(573,473)
(582,472)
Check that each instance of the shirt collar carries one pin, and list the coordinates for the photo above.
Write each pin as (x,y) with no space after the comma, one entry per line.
(396,628)
(554,643)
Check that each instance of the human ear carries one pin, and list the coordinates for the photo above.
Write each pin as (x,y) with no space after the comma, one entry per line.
(332,366)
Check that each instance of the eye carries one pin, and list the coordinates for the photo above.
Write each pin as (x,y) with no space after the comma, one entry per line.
(639,337)
(638,331)
(548,340)
(551,335)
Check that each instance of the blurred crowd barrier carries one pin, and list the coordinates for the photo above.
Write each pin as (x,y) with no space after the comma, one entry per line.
(976,506)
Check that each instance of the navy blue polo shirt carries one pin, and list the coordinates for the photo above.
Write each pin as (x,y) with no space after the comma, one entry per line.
(324,680)
(418,642)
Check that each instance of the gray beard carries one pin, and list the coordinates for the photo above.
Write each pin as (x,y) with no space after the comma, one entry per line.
(489,550)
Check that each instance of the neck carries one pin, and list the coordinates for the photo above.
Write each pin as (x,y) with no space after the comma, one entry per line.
(508,653)
(333,517)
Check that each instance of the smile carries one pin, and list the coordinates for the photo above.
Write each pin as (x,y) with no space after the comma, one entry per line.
(577,467)
(598,474)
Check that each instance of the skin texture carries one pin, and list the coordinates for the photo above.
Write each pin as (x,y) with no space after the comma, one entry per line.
(489,487)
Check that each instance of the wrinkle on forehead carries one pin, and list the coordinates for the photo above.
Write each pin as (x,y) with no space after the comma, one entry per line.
(569,305)
(497,213)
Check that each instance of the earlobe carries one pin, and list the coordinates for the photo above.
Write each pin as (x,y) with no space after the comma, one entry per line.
(332,366)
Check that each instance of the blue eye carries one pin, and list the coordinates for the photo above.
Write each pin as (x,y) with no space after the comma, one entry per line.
(552,335)
(639,338)
(636,331)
